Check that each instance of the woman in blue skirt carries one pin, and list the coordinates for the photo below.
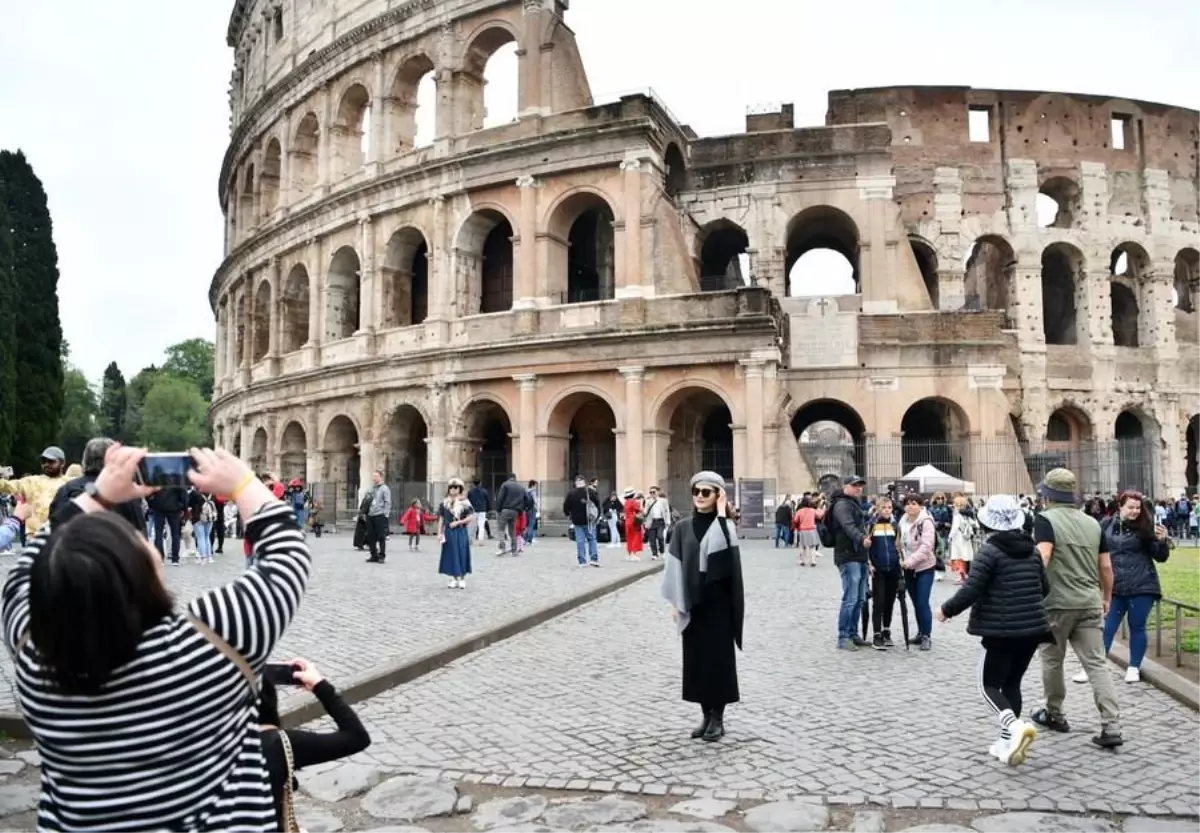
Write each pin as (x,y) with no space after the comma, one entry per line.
(454,518)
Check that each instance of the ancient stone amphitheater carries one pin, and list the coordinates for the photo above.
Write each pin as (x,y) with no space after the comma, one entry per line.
(593,287)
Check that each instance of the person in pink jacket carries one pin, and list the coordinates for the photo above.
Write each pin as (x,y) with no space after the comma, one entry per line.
(917,557)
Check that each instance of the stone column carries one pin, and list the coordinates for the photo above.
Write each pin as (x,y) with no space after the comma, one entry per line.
(634,456)
(439,470)
(273,443)
(529,58)
(874,275)
(284,199)
(1157,313)
(629,259)
(274,318)
(316,294)
(753,370)
(368,304)
(375,150)
(525,289)
(526,451)
(441,279)
(325,150)
(219,351)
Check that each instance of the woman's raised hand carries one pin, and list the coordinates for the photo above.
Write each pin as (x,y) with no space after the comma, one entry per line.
(218,471)
(115,483)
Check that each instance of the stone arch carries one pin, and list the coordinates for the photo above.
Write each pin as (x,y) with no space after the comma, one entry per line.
(305,151)
(927,264)
(269,179)
(351,131)
(482,44)
(1062,282)
(581,426)
(340,443)
(262,311)
(483,252)
(246,200)
(293,451)
(1187,279)
(674,170)
(1058,202)
(406,452)
(1128,266)
(485,430)
(826,239)
(258,451)
(832,438)
(409,127)
(699,422)
(294,309)
(1138,437)
(720,250)
(1070,444)
(405,275)
(934,431)
(582,236)
(988,274)
(343,295)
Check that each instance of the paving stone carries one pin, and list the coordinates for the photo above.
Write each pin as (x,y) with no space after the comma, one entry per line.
(344,781)
(11,766)
(506,812)
(581,813)
(938,828)
(317,819)
(1148,809)
(654,789)
(964,804)
(704,808)
(668,826)
(1041,823)
(400,829)
(18,798)
(788,817)
(410,798)
(514,782)
(1070,806)
(1142,824)
(903,802)
(867,821)
(31,757)
(463,806)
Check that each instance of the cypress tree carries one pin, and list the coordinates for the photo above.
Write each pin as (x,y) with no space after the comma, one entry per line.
(8,337)
(112,403)
(38,332)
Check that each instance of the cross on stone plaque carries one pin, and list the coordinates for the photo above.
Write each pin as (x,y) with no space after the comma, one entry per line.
(822,304)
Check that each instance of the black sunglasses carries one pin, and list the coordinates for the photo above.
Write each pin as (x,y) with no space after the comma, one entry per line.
(703,492)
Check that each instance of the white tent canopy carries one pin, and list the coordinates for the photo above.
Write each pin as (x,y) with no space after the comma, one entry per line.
(933,479)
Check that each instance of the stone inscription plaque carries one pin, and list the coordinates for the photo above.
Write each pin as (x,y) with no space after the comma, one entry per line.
(823,335)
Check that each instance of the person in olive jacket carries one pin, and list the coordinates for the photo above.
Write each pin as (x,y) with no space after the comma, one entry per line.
(1006,591)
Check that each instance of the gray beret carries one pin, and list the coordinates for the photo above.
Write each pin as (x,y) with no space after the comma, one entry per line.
(709,477)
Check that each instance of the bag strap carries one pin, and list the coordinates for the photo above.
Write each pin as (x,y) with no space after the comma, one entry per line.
(225,648)
(290,824)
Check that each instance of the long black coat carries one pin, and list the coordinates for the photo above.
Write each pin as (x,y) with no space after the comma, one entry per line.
(1134,573)
(1006,590)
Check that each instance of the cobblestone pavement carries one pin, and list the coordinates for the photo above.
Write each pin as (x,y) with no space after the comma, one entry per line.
(359,617)
(591,701)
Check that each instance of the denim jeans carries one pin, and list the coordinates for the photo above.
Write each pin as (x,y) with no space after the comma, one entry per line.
(1138,608)
(530,525)
(920,586)
(782,533)
(202,530)
(585,533)
(301,517)
(854,593)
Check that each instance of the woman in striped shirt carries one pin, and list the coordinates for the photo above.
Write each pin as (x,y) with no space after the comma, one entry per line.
(146,719)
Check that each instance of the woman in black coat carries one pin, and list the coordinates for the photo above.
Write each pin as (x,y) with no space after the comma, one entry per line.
(1006,591)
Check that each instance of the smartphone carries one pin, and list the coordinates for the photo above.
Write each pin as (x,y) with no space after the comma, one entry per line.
(165,470)
(280,673)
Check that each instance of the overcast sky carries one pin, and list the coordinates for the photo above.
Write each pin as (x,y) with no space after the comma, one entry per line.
(122,108)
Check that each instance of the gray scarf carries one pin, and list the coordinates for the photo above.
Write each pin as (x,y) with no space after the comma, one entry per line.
(679,563)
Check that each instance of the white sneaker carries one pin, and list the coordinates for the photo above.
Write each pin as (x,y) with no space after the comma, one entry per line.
(1023,735)
(1081,677)
(462,584)
(999,750)
(1133,674)
(453,583)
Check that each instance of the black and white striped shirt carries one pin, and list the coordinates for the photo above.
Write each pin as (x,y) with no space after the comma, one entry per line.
(172,741)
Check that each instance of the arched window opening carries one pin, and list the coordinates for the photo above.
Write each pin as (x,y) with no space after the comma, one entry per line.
(927,263)
(349,131)
(277,25)
(1062,267)
(1124,315)
(293,453)
(701,436)
(258,451)
(406,279)
(1133,453)
(294,309)
(270,178)
(723,258)
(246,203)
(1128,266)
(934,432)
(1058,203)
(491,71)
(832,439)
(342,465)
(590,426)
(1187,279)
(406,459)
(343,295)
(489,445)
(496,269)
(239,331)
(988,274)
(262,322)
(585,222)
(822,253)
(304,153)
(413,104)
(675,173)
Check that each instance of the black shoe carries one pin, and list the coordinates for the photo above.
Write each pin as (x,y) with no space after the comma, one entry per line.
(916,640)
(926,643)
(887,640)
(715,730)
(859,641)
(1055,723)
(372,560)
(877,643)
(1108,740)
(699,731)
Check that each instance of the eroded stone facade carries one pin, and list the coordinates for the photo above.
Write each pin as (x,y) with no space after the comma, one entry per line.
(566,292)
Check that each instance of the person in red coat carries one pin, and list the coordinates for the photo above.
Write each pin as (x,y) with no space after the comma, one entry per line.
(413,520)
(634,521)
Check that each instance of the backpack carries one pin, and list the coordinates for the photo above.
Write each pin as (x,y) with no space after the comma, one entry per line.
(1183,507)
(827,529)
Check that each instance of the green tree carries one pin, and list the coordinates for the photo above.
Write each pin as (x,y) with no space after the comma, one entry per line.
(193,360)
(174,415)
(112,404)
(135,398)
(79,414)
(37,331)
(8,339)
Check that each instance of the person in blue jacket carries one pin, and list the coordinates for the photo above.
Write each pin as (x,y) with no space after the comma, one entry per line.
(885,573)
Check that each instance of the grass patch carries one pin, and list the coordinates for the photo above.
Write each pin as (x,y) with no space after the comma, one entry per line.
(1180,580)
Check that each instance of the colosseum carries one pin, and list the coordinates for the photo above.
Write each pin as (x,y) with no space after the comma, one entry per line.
(592,287)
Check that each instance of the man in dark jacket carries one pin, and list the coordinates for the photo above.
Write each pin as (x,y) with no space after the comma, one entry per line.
(582,506)
(783,522)
(92,464)
(510,502)
(166,507)
(851,543)
(480,501)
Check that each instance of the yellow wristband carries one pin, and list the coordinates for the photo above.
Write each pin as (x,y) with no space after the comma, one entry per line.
(241,487)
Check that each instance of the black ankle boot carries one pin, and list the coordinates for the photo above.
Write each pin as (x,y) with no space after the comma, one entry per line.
(700,730)
(716,728)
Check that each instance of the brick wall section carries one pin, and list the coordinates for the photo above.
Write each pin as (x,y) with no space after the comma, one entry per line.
(932,328)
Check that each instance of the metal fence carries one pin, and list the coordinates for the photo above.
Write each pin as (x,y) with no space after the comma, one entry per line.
(1179,608)
(992,466)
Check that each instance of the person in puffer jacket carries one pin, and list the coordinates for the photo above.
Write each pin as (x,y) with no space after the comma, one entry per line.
(917,542)
(885,574)
(1006,591)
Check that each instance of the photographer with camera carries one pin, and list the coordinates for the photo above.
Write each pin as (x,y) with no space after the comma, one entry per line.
(146,718)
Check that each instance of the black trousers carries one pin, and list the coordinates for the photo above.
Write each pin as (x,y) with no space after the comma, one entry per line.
(884,588)
(377,530)
(218,532)
(654,533)
(1001,670)
(172,520)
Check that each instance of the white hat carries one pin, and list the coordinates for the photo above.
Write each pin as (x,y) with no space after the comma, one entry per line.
(1002,513)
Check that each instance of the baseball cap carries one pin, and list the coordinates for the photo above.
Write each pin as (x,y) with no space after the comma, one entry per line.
(54,453)
(856,480)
